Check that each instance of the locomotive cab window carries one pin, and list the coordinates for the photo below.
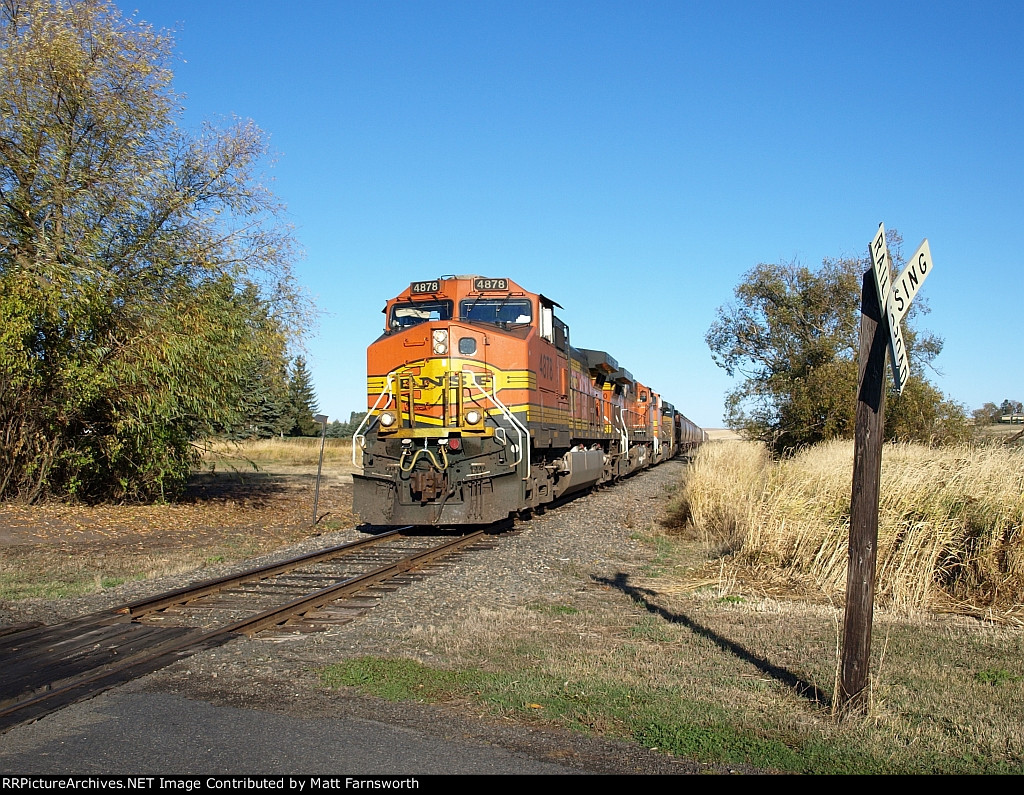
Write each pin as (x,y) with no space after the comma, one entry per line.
(505,311)
(411,313)
(561,335)
(552,328)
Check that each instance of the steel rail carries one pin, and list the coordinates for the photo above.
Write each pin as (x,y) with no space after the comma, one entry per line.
(300,606)
(188,593)
(165,653)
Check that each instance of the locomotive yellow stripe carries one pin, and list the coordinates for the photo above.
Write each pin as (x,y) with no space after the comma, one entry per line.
(428,381)
(527,412)
(545,414)
(433,369)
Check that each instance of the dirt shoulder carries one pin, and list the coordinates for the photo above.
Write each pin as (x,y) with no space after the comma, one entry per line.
(276,501)
(62,550)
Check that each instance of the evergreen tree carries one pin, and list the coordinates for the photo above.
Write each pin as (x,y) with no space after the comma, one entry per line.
(1011,407)
(266,405)
(344,430)
(302,401)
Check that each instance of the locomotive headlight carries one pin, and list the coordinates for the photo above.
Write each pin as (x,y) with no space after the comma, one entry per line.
(387,419)
(440,341)
(473,417)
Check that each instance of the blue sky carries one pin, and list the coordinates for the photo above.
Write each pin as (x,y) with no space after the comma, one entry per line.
(630,160)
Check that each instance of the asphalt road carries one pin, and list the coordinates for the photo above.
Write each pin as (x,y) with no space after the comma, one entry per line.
(144,733)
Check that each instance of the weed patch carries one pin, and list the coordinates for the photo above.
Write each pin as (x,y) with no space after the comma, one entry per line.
(996,677)
(555,610)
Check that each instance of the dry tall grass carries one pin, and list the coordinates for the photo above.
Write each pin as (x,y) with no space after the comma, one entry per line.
(950,520)
(293,451)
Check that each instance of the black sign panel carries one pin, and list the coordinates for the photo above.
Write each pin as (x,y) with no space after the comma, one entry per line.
(490,284)
(419,288)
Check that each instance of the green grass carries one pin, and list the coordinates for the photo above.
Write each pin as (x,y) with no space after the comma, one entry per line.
(662,561)
(14,587)
(70,584)
(650,628)
(654,718)
(555,610)
(397,680)
(996,677)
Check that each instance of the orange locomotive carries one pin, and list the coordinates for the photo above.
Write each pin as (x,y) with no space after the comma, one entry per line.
(479,408)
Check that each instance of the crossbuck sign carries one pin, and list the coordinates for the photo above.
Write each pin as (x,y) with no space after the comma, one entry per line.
(894,297)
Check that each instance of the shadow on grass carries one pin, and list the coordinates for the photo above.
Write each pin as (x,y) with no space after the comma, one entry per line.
(254,487)
(642,596)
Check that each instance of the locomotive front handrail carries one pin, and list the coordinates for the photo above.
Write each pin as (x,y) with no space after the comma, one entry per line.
(519,428)
(359,438)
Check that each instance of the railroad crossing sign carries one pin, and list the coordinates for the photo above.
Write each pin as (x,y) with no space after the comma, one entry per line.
(894,297)
(877,323)
(909,282)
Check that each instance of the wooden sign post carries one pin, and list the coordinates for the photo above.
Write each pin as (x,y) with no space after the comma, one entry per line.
(884,303)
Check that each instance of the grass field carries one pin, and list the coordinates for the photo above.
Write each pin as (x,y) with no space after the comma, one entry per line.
(950,522)
(727,649)
(287,451)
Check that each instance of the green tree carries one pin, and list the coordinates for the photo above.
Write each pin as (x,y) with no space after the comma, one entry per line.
(792,335)
(923,414)
(267,408)
(1010,407)
(344,430)
(130,255)
(264,408)
(302,400)
(987,414)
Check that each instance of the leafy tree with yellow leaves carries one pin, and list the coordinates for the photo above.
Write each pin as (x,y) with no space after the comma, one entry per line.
(145,274)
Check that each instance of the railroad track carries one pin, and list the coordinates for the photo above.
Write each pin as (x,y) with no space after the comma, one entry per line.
(50,666)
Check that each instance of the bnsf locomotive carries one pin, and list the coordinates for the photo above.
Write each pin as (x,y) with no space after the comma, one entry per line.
(478,407)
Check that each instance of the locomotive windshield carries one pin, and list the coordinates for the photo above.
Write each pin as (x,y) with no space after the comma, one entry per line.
(502,311)
(412,313)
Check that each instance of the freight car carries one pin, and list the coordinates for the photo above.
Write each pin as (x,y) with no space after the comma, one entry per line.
(478,408)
